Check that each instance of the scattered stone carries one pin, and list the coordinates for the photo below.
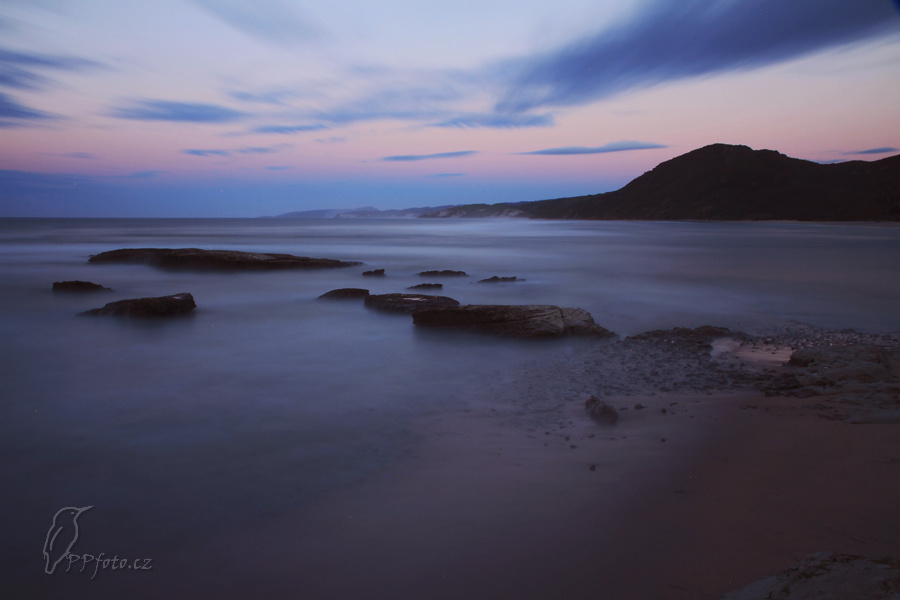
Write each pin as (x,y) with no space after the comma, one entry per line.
(444,273)
(639,406)
(427,286)
(78,286)
(593,467)
(163,306)
(601,411)
(525,321)
(219,260)
(825,576)
(409,303)
(496,279)
(374,273)
(344,294)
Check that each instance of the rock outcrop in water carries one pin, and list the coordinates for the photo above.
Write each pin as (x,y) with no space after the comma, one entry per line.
(409,303)
(345,294)
(162,306)
(78,286)
(444,273)
(523,321)
(219,260)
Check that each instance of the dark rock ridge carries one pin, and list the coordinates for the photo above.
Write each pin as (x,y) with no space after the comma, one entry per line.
(374,273)
(78,286)
(408,303)
(345,294)
(163,306)
(225,260)
(496,279)
(730,183)
(444,273)
(524,321)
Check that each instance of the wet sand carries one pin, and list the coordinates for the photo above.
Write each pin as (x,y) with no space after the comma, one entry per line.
(696,494)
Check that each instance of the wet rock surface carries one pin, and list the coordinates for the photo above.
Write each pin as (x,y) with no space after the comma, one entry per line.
(345,294)
(374,273)
(524,321)
(162,306)
(825,576)
(408,303)
(78,286)
(224,260)
(497,279)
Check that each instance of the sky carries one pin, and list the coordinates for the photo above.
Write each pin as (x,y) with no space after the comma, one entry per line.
(246,108)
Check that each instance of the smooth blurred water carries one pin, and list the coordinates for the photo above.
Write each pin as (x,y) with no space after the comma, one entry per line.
(266,399)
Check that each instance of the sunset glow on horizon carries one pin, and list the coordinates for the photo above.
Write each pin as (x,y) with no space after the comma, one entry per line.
(244,108)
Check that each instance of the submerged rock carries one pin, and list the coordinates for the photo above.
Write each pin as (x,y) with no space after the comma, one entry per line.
(444,273)
(78,286)
(344,294)
(601,411)
(374,273)
(524,321)
(162,306)
(408,303)
(225,260)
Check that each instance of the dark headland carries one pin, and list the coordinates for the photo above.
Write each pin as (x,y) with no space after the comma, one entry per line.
(722,182)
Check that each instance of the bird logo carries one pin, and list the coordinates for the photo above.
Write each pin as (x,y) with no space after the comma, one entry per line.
(61,536)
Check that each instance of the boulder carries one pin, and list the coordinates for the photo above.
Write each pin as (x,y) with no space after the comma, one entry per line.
(445,273)
(374,273)
(345,294)
(222,260)
(524,321)
(78,286)
(409,303)
(163,306)
(601,411)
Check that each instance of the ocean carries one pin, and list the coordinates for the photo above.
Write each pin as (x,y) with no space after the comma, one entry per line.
(266,401)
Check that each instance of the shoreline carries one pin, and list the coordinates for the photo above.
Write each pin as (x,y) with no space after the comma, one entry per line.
(696,495)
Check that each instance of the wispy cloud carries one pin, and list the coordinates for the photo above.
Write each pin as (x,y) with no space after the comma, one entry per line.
(13,114)
(18,69)
(287,129)
(181,112)
(414,157)
(885,150)
(141,175)
(622,146)
(497,121)
(266,20)
(668,41)
(199,152)
(78,155)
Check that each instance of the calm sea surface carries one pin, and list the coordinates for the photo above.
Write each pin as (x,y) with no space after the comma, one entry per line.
(267,399)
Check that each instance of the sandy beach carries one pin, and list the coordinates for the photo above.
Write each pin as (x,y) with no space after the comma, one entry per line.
(690,494)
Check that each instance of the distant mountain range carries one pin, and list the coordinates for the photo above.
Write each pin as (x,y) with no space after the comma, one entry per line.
(722,182)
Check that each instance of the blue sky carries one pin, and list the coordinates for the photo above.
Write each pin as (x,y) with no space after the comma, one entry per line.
(258,107)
